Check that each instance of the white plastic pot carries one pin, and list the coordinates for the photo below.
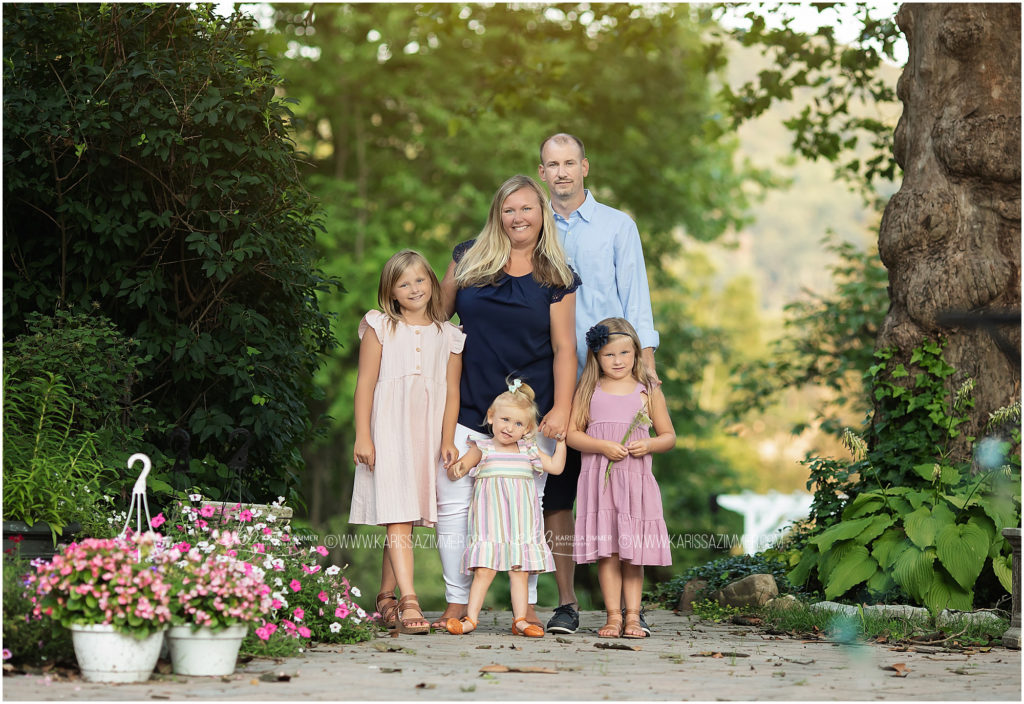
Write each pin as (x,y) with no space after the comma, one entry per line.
(203,652)
(105,655)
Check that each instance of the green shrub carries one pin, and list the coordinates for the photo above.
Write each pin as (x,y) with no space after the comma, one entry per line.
(720,572)
(148,169)
(913,522)
(32,641)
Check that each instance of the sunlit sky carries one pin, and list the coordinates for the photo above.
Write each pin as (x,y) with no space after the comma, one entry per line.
(805,17)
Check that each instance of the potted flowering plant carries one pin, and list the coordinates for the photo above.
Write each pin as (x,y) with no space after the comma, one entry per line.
(112,595)
(309,601)
(217,595)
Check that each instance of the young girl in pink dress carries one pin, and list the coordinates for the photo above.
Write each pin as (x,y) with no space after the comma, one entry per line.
(619,520)
(406,405)
(505,522)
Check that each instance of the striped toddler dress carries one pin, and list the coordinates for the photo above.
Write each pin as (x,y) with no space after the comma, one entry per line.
(506,529)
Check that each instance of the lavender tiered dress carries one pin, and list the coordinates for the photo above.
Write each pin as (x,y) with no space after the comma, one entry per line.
(622,516)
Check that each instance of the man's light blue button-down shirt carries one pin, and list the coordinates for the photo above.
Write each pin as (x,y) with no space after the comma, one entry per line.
(603,246)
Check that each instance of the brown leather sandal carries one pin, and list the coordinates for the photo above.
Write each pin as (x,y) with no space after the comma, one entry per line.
(387,607)
(612,627)
(459,628)
(409,602)
(632,628)
(530,631)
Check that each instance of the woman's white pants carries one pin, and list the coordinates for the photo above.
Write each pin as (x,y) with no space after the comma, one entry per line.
(453,499)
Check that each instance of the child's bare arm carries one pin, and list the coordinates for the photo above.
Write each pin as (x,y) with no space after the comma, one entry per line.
(370,351)
(461,466)
(579,440)
(665,438)
(449,453)
(555,462)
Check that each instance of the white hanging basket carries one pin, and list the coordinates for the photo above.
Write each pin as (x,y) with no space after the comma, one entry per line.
(106,655)
(203,652)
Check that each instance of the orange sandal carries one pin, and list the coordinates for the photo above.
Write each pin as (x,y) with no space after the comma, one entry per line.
(387,607)
(612,627)
(531,631)
(459,628)
(632,629)
(408,602)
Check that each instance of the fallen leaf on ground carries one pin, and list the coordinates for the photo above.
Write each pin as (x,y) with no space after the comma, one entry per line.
(617,646)
(718,654)
(899,668)
(961,671)
(387,648)
(745,620)
(505,668)
(425,685)
(390,669)
(560,639)
(483,647)
(799,662)
(275,677)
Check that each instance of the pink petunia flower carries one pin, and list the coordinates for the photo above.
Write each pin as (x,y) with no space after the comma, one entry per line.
(342,611)
(158,520)
(245,516)
(322,596)
(207,511)
(295,584)
(298,613)
(322,550)
(305,632)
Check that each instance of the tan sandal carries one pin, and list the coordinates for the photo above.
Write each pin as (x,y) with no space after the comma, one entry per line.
(460,627)
(408,602)
(530,631)
(632,628)
(612,627)
(387,607)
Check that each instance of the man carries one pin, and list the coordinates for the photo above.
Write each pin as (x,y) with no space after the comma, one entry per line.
(603,246)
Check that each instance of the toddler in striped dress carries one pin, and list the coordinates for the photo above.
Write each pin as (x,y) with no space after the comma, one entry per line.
(505,524)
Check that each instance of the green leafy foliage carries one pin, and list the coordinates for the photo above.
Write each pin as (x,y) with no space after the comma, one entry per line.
(910,520)
(52,472)
(837,75)
(34,641)
(148,169)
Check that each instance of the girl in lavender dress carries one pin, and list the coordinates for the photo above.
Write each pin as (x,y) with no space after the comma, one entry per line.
(505,526)
(619,520)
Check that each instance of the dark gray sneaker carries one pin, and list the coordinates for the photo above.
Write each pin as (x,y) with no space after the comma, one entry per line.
(643,622)
(566,619)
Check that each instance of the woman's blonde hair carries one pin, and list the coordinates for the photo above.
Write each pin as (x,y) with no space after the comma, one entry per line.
(592,370)
(483,263)
(521,395)
(393,270)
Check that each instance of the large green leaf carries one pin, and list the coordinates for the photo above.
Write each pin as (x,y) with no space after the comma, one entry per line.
(865,503)
(808,561)
(878,524)
(962,549)
(888,546)
(856,566)
(914,571)
(880,582)
(844,530)
(1002,566)
(945,593)
(1002,510)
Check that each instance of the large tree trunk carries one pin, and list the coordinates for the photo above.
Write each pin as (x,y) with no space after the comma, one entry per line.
(950,237)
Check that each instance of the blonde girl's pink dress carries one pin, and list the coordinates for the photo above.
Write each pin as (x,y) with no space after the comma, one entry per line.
(624,515)
(408,407)
(505,524)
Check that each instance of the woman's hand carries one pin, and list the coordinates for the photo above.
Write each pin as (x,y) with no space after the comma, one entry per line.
(555,423)
(639,448)
(364,452)
(614,451)
(448,453)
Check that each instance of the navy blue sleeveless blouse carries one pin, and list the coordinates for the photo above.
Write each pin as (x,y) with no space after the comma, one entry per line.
(508,333)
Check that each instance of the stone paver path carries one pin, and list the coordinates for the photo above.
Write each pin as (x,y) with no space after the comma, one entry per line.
(677,663)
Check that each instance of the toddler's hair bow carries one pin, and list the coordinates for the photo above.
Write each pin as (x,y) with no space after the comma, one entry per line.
(514,386)
(597,337)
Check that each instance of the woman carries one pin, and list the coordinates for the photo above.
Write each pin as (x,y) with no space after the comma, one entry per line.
(515,296)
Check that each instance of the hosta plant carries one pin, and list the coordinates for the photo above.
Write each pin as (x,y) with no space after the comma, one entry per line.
(936,535)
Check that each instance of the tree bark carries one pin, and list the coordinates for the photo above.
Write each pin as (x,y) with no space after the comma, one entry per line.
(950,237)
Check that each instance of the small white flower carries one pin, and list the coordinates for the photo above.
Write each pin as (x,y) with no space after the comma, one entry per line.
(335,627)
(278,582)
(271,518)
(333,570)
(355,592)
(195,497)
(362,614)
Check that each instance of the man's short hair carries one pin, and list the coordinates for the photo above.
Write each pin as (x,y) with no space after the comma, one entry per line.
(563,138)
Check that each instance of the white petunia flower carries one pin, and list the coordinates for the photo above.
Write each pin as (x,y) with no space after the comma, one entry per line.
(355,591)
(335,627)
(333,570)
